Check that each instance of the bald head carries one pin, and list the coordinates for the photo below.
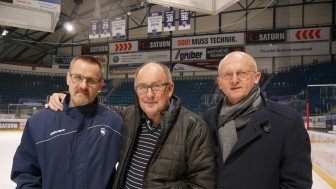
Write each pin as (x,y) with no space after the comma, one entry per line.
(237,75)
(238,56)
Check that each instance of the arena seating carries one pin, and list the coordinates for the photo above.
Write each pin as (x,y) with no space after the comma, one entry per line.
(288,86)
(18,86)
(292,82)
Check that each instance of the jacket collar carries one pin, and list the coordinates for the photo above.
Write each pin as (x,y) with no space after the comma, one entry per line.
(255,127)
(173,109)
(87,110)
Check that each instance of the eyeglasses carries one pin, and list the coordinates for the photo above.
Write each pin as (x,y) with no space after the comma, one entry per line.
(77,78)
(243,75)
(156,88)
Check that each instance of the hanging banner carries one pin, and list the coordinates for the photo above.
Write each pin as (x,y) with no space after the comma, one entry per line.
(208,7)
(184,21)
(94,29)
(105,28)
(169,21)
(154,24)
(119,28)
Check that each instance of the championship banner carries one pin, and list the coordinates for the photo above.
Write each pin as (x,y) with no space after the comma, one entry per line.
(208,7)
(105,28)
(220,53)
(184,21)
(154,44)
(274,36)
(154,24)
(169,21)
(119,28)
(95,49)
(94,29)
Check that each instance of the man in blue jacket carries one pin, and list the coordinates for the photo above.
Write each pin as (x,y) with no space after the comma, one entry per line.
(72,149)
(259,144)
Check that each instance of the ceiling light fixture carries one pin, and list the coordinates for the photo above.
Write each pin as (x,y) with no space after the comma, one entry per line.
(129,13)
(4,32)
(68,26)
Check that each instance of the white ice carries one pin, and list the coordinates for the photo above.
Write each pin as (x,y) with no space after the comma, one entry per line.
(10,140)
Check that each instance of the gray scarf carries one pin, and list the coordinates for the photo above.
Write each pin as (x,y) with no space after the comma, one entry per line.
(233,117)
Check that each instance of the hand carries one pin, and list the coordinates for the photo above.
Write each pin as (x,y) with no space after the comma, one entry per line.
(55,102)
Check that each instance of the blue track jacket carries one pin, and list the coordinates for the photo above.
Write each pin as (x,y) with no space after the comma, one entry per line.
(77,148)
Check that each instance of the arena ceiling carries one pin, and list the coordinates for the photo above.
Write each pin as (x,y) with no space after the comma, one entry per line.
(30,46)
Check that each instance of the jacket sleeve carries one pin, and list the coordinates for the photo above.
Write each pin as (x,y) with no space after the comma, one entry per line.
(296,165)
(201,157)
(121,110)
(26,171)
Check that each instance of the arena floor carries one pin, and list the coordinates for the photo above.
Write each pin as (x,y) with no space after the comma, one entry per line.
(10,140)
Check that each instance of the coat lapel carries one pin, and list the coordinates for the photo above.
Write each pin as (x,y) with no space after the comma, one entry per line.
(253,128)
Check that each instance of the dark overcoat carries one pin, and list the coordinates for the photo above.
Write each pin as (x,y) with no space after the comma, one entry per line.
(272,152)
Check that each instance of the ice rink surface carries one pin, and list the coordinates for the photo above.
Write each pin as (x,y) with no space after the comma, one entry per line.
(10,140)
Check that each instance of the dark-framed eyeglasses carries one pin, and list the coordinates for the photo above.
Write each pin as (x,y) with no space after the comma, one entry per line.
(156,88)
(77,78)
(242,75)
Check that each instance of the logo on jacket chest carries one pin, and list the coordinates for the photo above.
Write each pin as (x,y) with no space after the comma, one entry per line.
(103,131)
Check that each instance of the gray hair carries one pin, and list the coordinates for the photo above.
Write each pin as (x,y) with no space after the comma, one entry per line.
(87,59)
(164,67)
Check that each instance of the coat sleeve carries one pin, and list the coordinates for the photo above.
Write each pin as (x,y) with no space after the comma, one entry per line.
(201,157)
(296,165)
(26,172)
(121,110)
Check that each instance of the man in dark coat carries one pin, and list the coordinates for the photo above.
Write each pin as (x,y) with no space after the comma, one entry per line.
(259,144)
(164,145)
